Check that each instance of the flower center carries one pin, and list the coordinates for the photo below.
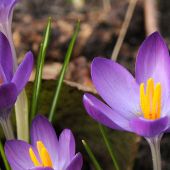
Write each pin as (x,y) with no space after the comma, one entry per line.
(43,154)
(150,100)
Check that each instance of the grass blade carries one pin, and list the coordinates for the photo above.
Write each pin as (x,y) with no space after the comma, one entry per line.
(91,155)
(62,73)
(7,167)
(107,143)
(39,68)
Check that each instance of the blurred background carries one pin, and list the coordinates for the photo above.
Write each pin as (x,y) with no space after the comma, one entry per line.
(101,24)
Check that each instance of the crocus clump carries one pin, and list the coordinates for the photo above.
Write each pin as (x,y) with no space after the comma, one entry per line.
(11,84)
(140,104)
(46,151)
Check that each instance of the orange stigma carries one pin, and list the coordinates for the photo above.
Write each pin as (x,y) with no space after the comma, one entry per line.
(43,154)
(150,99)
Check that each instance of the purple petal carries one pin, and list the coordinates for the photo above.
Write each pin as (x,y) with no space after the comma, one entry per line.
(3,78)
(17,153)
(41,168)
(153,61)
(42,130)
(149,128)
(6,57)
(116,86)
(76,163)
(6,10)
(8,95)
(23,72)
(66,148)
(104,114)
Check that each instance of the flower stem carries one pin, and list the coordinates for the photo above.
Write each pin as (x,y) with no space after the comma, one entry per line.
(7,128)
(154,144)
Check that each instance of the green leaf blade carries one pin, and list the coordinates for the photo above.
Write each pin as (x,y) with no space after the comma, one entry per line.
(39,68)
(62,73)
(91,155)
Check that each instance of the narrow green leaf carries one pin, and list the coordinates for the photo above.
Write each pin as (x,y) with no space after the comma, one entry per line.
(91,155)
(108,145)
(62,73)
(39,68)
(7,167)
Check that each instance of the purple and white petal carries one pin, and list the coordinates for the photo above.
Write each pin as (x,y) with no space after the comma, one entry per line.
(104,114)
(149,128)
(76,163)
(8,95)
(153,61)
(17,153)
(42,130)
(6,57)
(23,72)
(6,10)
(66,148)
(116,86)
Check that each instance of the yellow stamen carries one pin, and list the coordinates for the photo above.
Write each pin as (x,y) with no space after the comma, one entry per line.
(34,158)
(45,157)
(150,102)
(157,101)
(43,154)
(142,98)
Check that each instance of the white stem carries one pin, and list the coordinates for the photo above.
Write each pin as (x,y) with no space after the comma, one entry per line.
(154,144)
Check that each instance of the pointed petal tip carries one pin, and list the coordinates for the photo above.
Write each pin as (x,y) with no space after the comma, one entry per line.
(30,55)
(39,118)
(102,113)
(76,163)
(67,131)
(23,72)
(155,36)
(153,60)
(99,59)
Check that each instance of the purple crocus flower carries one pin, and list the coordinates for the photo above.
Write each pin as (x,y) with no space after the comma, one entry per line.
(11,84)
(46,151)
(141,104)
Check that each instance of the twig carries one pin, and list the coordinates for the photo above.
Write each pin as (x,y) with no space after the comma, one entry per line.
(150,11)
(123,30)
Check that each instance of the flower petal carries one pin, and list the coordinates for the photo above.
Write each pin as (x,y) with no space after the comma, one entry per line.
(6,9)
(76,163)
(8,95)
(41,168)
(6,57)
(149,128)
(23,72)
(66,148)
(42,130)
(153,61)
(104,114)
(116,86)
(17,153)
